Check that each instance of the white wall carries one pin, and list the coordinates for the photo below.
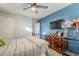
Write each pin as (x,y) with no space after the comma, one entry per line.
(36,26)
(13,26)
(37,29)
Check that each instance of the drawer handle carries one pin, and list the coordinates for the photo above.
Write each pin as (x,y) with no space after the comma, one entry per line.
(59,48)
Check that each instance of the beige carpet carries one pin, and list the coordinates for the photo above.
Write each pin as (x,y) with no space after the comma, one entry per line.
(52,52)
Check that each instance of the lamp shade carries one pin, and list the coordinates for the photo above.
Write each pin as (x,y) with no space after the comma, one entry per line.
(76,21)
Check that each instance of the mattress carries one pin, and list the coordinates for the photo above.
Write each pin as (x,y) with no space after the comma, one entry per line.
(24,47)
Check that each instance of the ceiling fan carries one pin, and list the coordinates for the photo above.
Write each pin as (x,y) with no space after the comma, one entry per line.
(34,7)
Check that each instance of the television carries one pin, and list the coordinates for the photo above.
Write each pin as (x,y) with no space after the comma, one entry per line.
(56,24)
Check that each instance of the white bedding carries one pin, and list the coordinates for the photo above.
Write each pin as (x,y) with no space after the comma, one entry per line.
(29,46)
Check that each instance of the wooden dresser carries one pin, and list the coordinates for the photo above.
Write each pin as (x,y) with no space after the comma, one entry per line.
(57,43)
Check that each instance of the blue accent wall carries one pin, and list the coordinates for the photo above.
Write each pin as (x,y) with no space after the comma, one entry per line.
(68,13)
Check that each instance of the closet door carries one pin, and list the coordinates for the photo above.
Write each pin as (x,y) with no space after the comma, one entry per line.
(6,26)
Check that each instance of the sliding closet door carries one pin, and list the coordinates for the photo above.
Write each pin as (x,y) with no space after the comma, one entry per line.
(6,27)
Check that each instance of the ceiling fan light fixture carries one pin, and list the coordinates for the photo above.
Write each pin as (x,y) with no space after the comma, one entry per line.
(34,9)
(35,6)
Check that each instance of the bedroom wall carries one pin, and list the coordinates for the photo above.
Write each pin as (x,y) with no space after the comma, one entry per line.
(37,29)
(67,13)
(14,26)
(6,26)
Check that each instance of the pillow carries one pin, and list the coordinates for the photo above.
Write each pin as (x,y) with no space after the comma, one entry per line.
(2,42)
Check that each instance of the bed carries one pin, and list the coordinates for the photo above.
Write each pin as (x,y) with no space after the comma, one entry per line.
(30,46)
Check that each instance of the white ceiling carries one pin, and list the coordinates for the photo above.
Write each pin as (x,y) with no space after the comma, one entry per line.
(16,8)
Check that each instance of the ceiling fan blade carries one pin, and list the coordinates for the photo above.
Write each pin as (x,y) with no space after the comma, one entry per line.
(26,8)
(40,6)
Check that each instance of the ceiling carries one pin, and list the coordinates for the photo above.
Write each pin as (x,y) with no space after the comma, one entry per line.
(17,8)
